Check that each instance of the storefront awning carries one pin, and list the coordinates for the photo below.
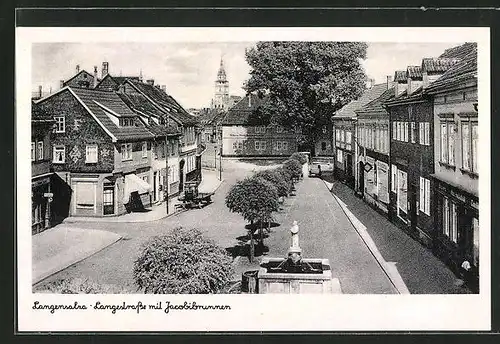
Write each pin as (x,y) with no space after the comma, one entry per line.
(134,184)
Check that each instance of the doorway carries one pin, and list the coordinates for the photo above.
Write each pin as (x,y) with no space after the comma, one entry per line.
(181,175)
(108,199)
(348,170)
(361,177)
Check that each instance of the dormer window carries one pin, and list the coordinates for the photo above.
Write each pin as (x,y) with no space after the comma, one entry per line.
(127,122)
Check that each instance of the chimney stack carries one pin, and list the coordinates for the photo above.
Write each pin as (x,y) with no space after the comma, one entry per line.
(164,88)
(61,83)
(77,68)
(389,82)
(40,91)
(150,82)
(95,76)
(105,69)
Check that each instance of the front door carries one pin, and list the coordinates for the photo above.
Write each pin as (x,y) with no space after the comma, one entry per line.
(109,199)
(361,177)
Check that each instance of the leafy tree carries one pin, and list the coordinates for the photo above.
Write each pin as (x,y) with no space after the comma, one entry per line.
(277,179)
(182,262)
(255,199)
(300,157)
(293,167)
(307,82)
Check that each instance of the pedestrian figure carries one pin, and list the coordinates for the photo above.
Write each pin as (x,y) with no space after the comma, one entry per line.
(319,171)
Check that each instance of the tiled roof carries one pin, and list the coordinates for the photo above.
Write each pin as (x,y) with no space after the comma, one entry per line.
(437,65)
(77,74)
(460,51)
(95,100)
(414,72)
(400,76)
(121,79)
(459,72)
(375,107)
(241,113)
(39,115)
(166,102)
(368,95)
(138,103)
(210,116)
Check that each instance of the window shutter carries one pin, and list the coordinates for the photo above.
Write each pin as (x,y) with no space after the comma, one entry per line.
(421,206)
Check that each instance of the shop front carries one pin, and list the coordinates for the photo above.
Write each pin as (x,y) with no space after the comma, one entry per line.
(457,222)
(41,197)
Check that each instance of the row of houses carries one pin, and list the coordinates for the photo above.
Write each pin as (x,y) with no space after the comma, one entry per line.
(409,148)
(100,147)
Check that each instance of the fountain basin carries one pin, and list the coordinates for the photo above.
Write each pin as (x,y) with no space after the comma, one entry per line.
(315,278)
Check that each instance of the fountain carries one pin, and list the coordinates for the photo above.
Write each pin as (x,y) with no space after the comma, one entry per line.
(296,275)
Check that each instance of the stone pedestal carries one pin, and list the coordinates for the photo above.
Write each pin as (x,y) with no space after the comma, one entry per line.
(297,283)
(305,170)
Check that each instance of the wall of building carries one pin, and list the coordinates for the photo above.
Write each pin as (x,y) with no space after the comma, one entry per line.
(41,133)
(84,79)
(137,161)
(324,140)
(342,169)
(243,141)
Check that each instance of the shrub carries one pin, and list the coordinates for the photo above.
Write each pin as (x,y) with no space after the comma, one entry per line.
(182,262)
(300,157)
(79,286)
(278,179)
(293,167)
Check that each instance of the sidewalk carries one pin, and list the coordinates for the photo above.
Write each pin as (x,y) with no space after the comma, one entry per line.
(421,271)
(59,247)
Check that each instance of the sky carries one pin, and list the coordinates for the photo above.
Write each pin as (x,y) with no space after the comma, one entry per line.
(189,69)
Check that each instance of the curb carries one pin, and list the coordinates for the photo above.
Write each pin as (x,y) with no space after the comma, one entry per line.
(389,267)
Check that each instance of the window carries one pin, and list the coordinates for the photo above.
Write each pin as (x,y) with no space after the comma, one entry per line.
(285,145)
(237,145)
(424,133)
(145,178)
(60,124)
(348,140)
(394,130)
(427,133)
(450,228)
(260,145)
(144,149)
(342,139)
(413,132)
(59,154)
(402,191)
(260,129)
(448,143)
(85,194)
(394,178)
(382,182)
(91,154)
(340,156)
(323,146)
(40,150)
(173,148)
(469,146)
(405,128)
(425,196)
(126,151)
(33,157)
(279,129)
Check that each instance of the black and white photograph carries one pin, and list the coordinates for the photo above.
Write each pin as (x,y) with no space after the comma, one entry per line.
(242,175)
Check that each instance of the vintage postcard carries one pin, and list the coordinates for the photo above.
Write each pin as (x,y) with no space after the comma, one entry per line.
(253,179)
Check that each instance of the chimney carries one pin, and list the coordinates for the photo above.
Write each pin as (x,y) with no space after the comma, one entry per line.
(95,76)
(105,69)
(164,88)
(40,91)
(77,68)
(389,82)
(61,83)
(140,76)
(150,82)
(425,79)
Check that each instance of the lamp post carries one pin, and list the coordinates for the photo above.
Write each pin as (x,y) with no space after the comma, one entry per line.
(220,163)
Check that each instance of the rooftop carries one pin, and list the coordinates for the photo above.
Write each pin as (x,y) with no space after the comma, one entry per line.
(368,95)
(245,111)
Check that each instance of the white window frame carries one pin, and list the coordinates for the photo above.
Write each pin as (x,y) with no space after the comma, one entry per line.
(126,151)
(87,150)
(145,149)
(472,162)
(405,126)
(425,196)
(394,178)
(285,146)
(340,157)
(261,129)
(33,151)
(60,124)
(60,148)
(413,129)
(260,145)
(450,220)
(427,133)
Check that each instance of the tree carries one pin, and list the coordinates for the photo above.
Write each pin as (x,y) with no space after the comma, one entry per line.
(255,199)
(307,82)
(182,262)
(300,157)
(277,179)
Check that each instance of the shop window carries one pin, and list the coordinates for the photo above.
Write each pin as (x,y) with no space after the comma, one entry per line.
(450,228)
(382,182)
(340,156)
(85,195)
(425,196)
(402,195)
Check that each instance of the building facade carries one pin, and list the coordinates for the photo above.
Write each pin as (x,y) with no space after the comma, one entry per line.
(245,136)
(456,176)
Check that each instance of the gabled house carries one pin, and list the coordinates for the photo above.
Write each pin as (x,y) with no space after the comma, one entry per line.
(344,131)
(41,171)
(172,113)
(456,167)
(101,151)
(412,150)
(373,144)
(245,135)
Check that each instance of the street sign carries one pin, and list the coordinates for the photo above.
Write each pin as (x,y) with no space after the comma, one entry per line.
(48,194)
(367,167)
